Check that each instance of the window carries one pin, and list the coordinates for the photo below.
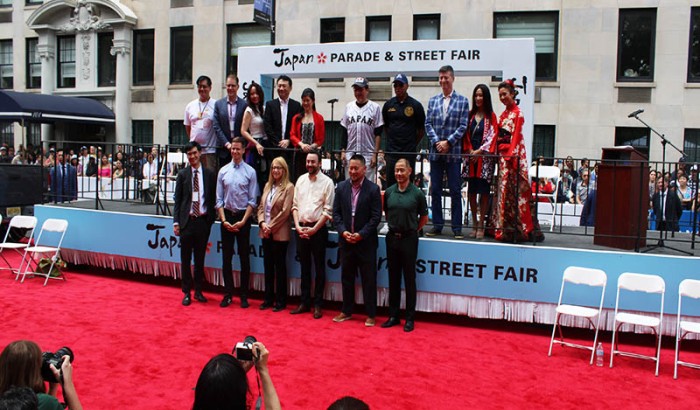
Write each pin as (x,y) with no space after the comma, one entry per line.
(378,28)
(106,62)
(691,144)
(33,64)
(332,31)
(143,57)
(33,2)
(637,137)
(543,142)
(5,3)
(33,134)
(6,70)
(243,35)
(426,27)
(694,46)
(181,55)
(66,62)
(543,27)
(635,46)
(142,132)
(177,135)
(7,134)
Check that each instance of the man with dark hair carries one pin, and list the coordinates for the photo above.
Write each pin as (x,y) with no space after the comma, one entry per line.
(445,125)
(193,215)
(19,398)
(278,122)
(236,193)
(357,210)
(404,121)
(228,117)
(64,180)
(199,122)
(348,403)
(312,207)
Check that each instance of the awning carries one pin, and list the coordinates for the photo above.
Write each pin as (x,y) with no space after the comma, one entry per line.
(44,108)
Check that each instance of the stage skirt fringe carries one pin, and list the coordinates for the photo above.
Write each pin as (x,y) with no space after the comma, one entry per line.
(470,306)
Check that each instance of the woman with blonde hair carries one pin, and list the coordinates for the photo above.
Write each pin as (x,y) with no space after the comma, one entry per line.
(20,366)
(275,230)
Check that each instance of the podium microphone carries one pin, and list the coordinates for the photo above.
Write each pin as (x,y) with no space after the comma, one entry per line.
(634,114)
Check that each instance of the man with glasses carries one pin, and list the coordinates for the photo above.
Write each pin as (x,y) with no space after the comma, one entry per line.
(404,121)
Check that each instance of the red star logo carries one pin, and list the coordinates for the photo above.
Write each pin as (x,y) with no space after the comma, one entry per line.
(321,58)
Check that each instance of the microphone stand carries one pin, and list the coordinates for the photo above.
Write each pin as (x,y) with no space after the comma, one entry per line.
(662,231)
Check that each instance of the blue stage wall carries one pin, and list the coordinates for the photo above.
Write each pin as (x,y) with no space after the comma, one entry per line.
(492,270)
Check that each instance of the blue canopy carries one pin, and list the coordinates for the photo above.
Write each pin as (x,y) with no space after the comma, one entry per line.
(44,108)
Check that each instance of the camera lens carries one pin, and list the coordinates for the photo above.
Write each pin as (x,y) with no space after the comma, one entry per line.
(250,340)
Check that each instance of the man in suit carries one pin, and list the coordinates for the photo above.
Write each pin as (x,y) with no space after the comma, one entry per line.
(194,213)
(228,116)
(667,207)
(278,122)
(357,210)
(445,125)
(64,180)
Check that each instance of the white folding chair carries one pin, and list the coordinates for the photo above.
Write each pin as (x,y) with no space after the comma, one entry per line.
(689,288)
(19,222)
(549,172)
(580,276)
(58,227)
(637,282)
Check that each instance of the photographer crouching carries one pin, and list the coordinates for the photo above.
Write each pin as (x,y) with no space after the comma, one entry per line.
(223,383)
(23,365)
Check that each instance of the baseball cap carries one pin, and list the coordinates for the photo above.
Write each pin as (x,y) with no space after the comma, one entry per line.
(83,147)
(74,157)
(361,82)
(3,149)
(401,77)
(694,168)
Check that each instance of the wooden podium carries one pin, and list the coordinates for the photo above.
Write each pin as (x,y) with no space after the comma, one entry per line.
(622,204)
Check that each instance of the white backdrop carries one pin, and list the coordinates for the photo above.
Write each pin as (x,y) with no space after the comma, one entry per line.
(509,58)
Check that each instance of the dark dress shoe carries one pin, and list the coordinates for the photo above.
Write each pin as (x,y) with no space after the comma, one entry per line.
(408,327)
(199,297)
(317,312)
(226,301)
(279,308)
(391,322)
(186,301)
(300,309)
(265,306)
(244,302)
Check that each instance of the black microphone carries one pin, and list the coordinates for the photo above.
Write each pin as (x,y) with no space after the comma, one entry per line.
(634,114)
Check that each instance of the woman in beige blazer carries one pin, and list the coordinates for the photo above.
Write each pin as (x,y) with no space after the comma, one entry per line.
(275,230)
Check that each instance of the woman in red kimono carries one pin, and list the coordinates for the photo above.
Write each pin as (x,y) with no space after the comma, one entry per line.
(479,144)
(512,218)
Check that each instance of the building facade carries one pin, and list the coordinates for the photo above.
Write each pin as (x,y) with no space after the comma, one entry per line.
(596,61)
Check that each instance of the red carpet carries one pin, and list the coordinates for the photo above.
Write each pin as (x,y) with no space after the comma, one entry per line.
(136,347)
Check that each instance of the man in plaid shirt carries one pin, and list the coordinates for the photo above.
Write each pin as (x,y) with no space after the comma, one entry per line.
(445,125)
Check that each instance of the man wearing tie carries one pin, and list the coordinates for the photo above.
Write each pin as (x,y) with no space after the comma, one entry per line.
(64,180)
(193,216)
(357,210)
(228,116)
(278,122)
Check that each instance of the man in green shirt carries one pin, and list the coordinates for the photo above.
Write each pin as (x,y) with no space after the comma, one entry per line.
(406,213)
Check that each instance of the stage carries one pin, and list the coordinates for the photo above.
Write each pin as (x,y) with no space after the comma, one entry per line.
(480,279)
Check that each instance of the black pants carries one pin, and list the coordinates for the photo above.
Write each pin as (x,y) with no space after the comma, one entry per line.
(313,249)
(364,261)
(193,239)
(227,241)
(275,263)
(401,252)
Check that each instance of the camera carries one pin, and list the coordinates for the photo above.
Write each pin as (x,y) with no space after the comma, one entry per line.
(244,349)
(56,359)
